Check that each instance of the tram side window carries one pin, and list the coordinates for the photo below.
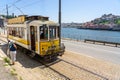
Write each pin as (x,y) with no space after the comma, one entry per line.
(14,31)
(22,33)
(18,32)
(10,31)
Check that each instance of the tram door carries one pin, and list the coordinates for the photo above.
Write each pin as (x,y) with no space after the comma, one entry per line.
(32,36)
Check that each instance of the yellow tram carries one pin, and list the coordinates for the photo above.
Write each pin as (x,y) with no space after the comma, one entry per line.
(36,34)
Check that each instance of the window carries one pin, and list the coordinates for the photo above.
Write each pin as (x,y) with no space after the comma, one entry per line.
(10,31)
(22,32)
(14,31)
(43,32)
(52,31)
(17,32)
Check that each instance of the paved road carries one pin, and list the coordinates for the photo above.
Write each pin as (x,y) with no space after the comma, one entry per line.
(107,53)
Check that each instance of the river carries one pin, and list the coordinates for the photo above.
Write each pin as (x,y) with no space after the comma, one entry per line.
(81,34)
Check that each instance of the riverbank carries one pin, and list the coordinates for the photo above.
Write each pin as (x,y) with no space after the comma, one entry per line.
(100,29)
(91,28)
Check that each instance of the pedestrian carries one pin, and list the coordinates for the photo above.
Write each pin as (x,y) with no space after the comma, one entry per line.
(13,52)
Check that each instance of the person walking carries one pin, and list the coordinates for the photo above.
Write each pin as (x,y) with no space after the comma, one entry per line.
(12,48)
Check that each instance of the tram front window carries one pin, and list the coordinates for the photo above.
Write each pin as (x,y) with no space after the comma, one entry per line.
(52,32)
(48,33)
(44,32)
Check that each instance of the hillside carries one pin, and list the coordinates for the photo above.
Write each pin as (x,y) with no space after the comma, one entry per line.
(105,22)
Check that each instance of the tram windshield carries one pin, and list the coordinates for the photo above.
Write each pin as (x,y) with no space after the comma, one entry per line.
(43,32)
(48,33)
(52,32)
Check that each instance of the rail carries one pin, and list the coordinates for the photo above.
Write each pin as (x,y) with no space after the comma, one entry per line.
(104,42)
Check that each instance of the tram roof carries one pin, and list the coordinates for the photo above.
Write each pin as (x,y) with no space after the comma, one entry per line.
(34,23)
(38,23)
(35,20)
(23,18)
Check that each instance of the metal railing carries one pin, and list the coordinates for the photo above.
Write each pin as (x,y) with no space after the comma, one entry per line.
(79,37)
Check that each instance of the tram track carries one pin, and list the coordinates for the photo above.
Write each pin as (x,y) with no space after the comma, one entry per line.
(37,58)
(48,65)
(91,72)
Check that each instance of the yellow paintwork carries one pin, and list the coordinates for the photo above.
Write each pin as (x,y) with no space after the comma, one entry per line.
(17,20)
(23,41)
(45,45)
(36,46)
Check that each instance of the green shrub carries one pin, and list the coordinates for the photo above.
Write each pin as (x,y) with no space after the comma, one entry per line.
(7,60)
(13,71)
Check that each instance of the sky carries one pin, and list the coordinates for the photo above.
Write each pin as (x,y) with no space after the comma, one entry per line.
(78,11)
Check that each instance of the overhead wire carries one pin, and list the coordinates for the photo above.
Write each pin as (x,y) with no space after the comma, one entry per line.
(9,6)
(20,8)
(25,6)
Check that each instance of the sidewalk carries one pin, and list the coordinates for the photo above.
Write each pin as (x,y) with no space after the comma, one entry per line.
(5,71)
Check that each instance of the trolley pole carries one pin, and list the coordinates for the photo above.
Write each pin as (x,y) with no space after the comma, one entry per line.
(60,22)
